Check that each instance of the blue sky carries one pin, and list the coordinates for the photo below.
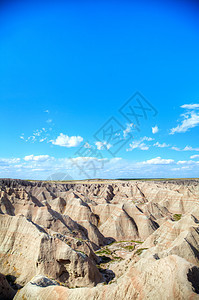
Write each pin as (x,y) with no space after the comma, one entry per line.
(66,70)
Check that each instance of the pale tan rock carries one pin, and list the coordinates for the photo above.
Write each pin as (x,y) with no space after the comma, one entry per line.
(53,229)
(26,250)
(168,278)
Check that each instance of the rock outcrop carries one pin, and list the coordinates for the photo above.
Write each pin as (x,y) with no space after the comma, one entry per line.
(168,278)
(100,239)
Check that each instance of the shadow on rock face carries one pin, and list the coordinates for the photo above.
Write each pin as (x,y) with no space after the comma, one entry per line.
(63,273)
(107,274)
(193,277)
(7,292)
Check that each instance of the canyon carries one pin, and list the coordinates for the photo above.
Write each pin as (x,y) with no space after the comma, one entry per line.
(99,239)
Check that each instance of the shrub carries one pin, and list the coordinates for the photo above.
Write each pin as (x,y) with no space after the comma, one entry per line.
(177,217)
(139,251)
(129,248)
(104,251)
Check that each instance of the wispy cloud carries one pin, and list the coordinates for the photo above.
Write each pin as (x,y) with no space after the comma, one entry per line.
(38,158)
(175,148)
(42,140)
(163,145)
(128,129)
(187,162)
(82,159)
(103,145)
(64,140)
(155,129)
(194,156)
(37,135)
(31,139)
(42,166)
(158,161)
(115,159)
(187,148)
(38,132)
(139,144)
(145,138)
(7,161)
(190,106)
(190,119)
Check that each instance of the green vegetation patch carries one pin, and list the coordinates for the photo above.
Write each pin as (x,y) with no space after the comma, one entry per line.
(129,248)
(131,241)
(177,217)
(138,242)
(118,258)
(139,251)
(104,251)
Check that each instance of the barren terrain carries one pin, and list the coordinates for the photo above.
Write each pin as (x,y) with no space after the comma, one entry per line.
(100,239)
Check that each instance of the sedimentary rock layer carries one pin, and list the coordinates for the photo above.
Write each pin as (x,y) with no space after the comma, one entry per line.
(100,239)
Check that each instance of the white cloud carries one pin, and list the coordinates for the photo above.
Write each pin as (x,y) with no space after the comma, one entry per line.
(158,161)
(37,170)
(190,119)
(38,158)
(145,138)
(105,168)
(175,148)
(66,141)
(6,161)
(42,140)
(187,162)
(175,169)
(14,160)
(31,139)
(87,158)
(38,135)
(115,159)
(139,144)
(180,162)
(117,134)
(128,129)
(38,132)
(187,167)
(161,145)
(187,148)
(194,156)
(102,145)
(155,129)
(190,106)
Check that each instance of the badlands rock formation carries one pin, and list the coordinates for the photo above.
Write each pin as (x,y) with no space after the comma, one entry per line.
(99,239)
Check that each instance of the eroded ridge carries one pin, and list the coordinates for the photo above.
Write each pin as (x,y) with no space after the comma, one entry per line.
(99,239)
